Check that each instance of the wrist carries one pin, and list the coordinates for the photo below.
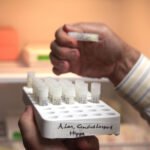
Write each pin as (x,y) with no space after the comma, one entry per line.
(124,64)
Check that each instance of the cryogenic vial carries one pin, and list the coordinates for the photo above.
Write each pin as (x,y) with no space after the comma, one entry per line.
(91,37)
(30,76)
(95,92)
(69,94)
(43,95)
(56,93)
(82,93)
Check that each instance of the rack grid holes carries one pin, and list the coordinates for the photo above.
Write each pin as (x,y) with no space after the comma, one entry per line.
(88,106)
(93,110)
(68,116)
(100,106)
(106,109)
(78,110)
(75,107)
(65,111)
(111,113)
(53,117)
(97,114)
(47,109)
(50,112)
(62,107)
(83,115)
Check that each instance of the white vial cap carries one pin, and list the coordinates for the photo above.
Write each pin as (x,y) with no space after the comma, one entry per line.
(30,77)
(65,84)
(56,93)
(82,93)
(49,81)
(91,37)
(43,95)
(43,91)
(95,92)
(79,83)
(37,84)
(69,94)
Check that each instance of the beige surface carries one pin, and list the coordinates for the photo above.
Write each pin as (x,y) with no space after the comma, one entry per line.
(16,67)
(16,72)
(129,134)
(37,20)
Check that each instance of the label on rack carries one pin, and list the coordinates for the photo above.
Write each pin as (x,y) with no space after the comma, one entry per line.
(82,129)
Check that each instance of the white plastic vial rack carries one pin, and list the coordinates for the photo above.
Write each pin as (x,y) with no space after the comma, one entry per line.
(63,110)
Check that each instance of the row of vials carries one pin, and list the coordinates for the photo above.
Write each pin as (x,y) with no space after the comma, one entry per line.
(50,90)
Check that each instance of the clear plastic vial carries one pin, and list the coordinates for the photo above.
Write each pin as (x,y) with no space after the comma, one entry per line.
(56,94)
(43,95)
(95,92)
(51,83)
(36,85)
(65,84)
(89,37)
(69,94)
(30,77)
(82,93)
(78,85)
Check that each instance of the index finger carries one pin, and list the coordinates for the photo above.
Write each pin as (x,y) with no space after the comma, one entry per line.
(63,39)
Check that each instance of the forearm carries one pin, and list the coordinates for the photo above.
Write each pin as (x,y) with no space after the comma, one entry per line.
(126,61)
(135,86)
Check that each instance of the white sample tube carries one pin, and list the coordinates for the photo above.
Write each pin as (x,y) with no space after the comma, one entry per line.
(65,84)
(79,82)
(34,87)
(51,83)
(82,93)
(56,93)
(78,85)
(69,94)
(30,77)
(91,37)
(37,83)
(43,95)
(95,92)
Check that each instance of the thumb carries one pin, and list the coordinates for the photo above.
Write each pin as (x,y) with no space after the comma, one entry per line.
(88,143)
(28,128)
(83,143)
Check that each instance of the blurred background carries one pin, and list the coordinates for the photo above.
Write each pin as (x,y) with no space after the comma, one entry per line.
(26,30)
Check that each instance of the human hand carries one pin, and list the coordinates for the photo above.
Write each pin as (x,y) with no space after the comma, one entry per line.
(110,57)
(33,141)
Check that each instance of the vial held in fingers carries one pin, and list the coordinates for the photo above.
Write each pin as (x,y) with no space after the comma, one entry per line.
(89,37)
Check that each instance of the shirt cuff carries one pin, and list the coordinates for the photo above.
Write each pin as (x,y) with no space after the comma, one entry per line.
(135,87)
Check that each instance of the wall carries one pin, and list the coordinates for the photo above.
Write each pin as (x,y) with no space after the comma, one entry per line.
(37,20)
(136,24)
